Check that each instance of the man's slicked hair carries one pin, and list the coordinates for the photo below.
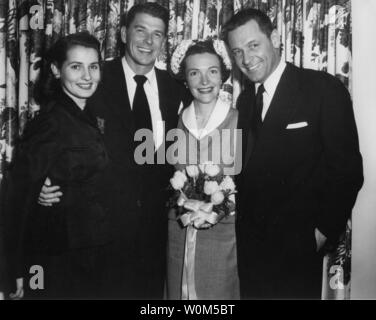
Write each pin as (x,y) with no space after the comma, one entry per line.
(246,15)
(151,8)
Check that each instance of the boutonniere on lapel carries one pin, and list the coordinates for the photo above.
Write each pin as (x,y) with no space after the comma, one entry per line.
(100,124)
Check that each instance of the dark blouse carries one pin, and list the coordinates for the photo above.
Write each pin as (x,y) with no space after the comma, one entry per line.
(62,143)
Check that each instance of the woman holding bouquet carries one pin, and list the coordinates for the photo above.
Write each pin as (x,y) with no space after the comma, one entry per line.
(67,240)
(201,245)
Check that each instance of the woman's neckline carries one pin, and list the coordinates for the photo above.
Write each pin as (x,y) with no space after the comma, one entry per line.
(201,120)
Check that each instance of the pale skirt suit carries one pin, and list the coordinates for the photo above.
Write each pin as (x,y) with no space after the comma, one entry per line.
(214,274)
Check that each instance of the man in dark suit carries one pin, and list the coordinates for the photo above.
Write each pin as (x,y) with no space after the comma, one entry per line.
(135,195)
(302,168)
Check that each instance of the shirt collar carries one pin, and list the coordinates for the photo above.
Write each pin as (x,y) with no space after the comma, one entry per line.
(129,73)
(217,116)
(272,81)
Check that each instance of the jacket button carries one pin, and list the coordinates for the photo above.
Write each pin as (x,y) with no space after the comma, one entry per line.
(139,203)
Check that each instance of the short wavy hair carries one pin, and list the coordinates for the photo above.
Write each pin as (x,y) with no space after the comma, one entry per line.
(199,47)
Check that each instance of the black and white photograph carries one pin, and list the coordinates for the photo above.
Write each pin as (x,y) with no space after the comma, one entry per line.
(187,150)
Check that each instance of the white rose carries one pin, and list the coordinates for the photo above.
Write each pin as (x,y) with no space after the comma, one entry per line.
(217,197)
(178,180)
(203,165)
(212,170)
(182,199)
(210,187)
(192,171)
(227,184)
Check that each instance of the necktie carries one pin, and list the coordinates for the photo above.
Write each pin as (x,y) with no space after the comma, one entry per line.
(257,116)
(141,111)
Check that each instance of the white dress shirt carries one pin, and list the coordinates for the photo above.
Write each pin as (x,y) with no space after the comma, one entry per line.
(152,95)
(270,86)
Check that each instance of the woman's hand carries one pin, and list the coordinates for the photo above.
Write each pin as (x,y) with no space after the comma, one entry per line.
(19,294)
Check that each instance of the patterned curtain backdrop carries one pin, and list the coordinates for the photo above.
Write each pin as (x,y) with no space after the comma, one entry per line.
(315,34)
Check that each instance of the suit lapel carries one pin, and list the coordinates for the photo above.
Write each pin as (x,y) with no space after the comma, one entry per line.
(168,110)
(280,110)
(117,87)
(244,123)
(282,105)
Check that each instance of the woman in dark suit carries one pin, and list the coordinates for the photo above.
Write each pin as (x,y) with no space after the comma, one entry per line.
(64,143)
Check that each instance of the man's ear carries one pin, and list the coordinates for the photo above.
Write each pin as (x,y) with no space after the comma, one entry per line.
(123,33)
(276,39)
(55,71)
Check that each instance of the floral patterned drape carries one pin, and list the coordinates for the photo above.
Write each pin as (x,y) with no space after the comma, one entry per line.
(315,34)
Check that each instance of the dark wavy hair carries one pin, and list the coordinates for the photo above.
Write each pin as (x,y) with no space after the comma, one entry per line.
(245,15)
(151,8)
(47,85)
(202,47)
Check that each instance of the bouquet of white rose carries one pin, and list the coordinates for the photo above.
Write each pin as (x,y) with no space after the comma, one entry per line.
(202,193)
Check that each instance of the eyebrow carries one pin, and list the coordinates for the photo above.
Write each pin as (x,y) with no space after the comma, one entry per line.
(247,44)
(78,62)
(211,67)
(144,28)
(251,42)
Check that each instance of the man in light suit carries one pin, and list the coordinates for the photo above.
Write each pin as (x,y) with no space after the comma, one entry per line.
(135,195)
(302,168)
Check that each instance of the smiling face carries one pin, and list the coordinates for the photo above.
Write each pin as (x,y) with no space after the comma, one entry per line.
(203,76)
(144,39)
(79,74)
(256,54)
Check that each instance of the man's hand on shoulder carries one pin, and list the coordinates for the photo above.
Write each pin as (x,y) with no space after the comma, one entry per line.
(49,194)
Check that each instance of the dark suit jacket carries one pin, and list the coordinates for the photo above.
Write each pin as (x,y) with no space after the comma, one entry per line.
(64,144)
(135,195)
(293,181)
